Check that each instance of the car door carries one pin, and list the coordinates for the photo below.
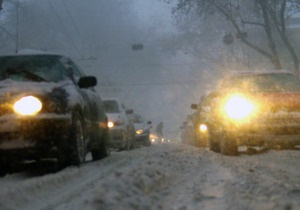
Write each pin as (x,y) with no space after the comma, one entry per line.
(91,100)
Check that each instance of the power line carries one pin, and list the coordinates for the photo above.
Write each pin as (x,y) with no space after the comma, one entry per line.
(73,22)
(114,84)
(65,28)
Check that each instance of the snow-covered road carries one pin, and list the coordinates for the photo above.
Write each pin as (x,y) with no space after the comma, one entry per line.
(167,176)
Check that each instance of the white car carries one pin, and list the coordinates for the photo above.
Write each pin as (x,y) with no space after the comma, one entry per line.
(121,129)
(142,129)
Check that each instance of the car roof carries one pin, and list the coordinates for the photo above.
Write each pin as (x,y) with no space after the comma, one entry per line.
(29,52)
(111,99)
(258,72)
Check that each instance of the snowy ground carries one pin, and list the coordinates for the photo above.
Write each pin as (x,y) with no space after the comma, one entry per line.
(167,176)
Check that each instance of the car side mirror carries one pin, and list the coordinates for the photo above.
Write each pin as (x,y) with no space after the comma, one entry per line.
(87,81)
(149,122)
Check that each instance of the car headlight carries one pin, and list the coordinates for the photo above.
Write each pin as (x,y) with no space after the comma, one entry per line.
(110,124)
(203,128)
(140,131)
(238,107)
(28,105)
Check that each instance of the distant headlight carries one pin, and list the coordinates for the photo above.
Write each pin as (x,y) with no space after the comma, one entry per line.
(238,107)
(203,128)
(140,131)
(28,105)
(110,124)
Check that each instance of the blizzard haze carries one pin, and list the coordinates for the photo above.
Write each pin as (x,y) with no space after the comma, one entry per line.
(99,35)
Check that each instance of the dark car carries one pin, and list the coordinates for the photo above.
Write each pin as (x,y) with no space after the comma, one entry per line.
(255,109)
(49,109)
(200,120)
(142,129)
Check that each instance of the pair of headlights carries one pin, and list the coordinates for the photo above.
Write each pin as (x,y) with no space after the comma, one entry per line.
(236,108)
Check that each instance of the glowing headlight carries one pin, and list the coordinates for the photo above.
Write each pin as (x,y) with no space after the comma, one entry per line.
(140,131)
(203,128)
(28,105)
(238,107)
(110,124)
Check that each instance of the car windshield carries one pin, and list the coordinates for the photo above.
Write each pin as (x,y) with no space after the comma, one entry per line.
(111,106)
(264,83)
(33,68)
(136,118)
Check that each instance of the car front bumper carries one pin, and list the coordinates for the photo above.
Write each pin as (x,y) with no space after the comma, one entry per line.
(269,130)
(32,137)
(117,137)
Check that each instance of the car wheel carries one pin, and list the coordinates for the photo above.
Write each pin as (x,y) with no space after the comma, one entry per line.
(104,148)
(213,142)
(128,144)
(229,145)
(72,151)
(147,142)
(200,141)
(4,169)
(132,146)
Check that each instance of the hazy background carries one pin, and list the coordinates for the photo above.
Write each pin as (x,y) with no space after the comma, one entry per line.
(99,35)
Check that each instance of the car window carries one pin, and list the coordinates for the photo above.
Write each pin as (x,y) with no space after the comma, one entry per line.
(36,68)
(265,83)
(136,118)
(111,106)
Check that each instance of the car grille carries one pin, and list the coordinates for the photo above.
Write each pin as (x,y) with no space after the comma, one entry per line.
(5,108)
(283,123)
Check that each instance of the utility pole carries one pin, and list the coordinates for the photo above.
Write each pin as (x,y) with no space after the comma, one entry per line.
(17,26)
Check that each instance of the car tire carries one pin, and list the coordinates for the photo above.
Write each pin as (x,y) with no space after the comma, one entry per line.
(229,145)
(104,147)
(128,144)
(147,142)
(132,146)
(213,142)
(4,169)
(72,151)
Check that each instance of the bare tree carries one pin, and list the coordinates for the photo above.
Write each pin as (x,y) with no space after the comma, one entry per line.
(249,17)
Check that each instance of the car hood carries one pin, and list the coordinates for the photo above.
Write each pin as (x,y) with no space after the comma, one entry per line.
(279,101)
(10,89)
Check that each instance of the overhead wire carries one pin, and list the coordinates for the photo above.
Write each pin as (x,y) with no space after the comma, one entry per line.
(73,22)
(65,28)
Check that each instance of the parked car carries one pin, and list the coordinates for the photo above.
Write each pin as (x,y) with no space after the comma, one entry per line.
(255,109)
(142,129)
(121,129)
(49,109)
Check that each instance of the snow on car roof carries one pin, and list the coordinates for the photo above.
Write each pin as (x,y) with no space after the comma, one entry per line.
(111,99)
(33,52)
(255,72)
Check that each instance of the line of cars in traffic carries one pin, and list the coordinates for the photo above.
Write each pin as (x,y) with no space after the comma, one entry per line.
(248,108)
(127,129)
(49,109)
